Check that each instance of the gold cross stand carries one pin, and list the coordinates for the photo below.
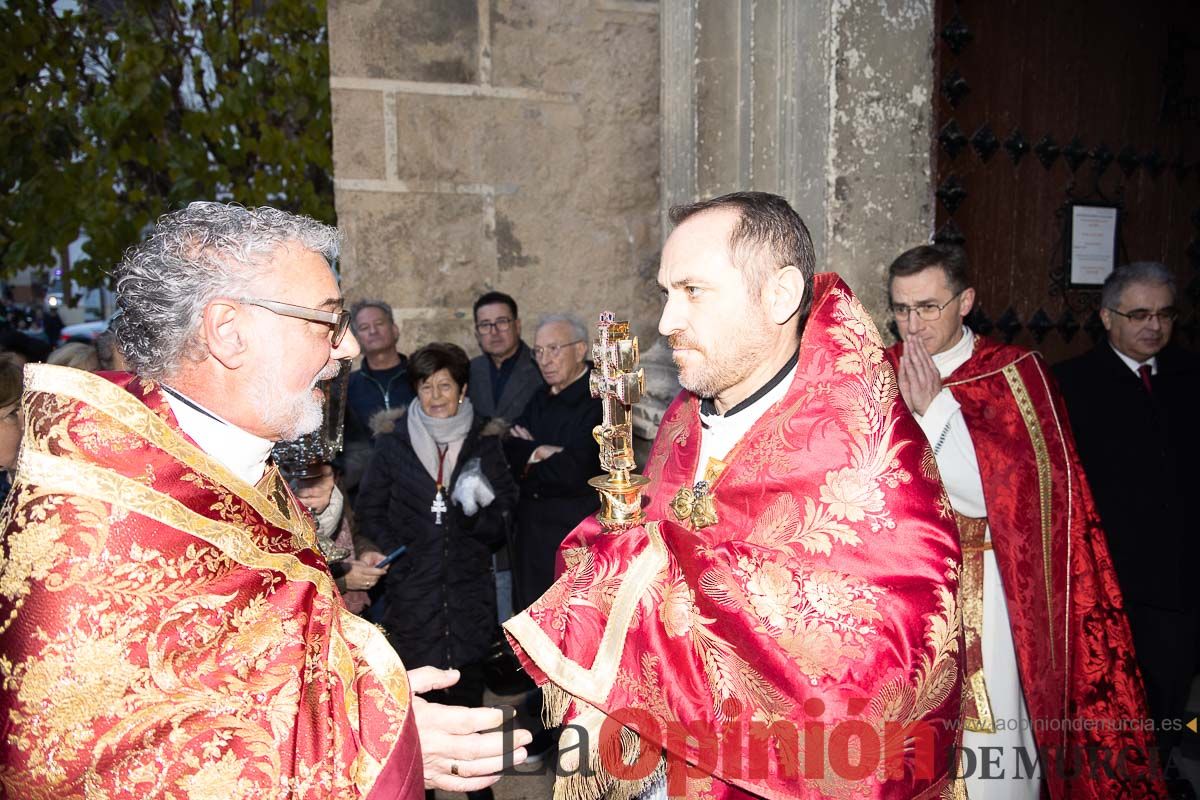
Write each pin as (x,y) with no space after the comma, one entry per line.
(619,382)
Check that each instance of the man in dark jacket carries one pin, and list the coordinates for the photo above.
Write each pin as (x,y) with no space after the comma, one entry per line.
(553,454)
(380,384)
(1132,403)
(504,377)
(502,381)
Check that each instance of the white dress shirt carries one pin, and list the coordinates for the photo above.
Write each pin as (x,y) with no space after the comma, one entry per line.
(239,451)
(1135,366)
(719,433)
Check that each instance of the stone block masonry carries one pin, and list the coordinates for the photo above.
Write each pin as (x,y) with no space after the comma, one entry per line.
(497,144)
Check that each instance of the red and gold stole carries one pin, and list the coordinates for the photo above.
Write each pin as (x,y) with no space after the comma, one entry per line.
(167,630)
(799,636)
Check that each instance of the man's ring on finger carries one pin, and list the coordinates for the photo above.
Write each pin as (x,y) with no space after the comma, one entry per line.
(454,768)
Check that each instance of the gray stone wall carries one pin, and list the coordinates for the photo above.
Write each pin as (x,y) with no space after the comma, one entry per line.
(879,199)
(497,144)
(826,102)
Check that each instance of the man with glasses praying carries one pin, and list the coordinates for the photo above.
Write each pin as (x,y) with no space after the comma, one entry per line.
(1046,637)
(169,626)
(504,377)
(1132,403)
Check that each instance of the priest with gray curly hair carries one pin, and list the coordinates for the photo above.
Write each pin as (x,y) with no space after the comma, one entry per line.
(169,623)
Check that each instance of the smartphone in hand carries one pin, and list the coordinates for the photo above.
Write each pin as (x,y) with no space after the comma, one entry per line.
(392,556)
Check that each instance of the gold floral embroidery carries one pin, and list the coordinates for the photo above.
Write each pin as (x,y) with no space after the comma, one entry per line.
(31,551)
(148,665)
(677,608)
(852,494)
(904,701)
(648,692)
(822,618)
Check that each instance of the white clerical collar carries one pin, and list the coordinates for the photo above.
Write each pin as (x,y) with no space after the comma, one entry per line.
(1136,365)
(239,451)
(950,360)
(719,433)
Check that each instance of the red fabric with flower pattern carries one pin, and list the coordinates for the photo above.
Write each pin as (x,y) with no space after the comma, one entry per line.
(821,601)
(167,630)
(1073,643)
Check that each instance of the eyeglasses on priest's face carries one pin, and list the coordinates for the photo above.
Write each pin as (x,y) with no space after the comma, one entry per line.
(928,312)
(1144,315)
(500,325)
(338,321)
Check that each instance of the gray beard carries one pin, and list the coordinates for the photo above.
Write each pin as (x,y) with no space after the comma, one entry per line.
(293,416)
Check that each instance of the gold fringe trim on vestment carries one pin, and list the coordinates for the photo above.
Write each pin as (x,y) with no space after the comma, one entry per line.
(590,781)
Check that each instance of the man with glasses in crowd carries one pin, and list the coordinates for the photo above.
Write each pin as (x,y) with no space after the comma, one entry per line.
(168,624)
(553,453)
(379,384)
(1132,403)
(504,377)
(1046,637)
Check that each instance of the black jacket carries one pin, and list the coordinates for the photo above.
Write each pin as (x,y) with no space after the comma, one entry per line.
(369,392)
(555,495)
(439,599)
(1139,451)
(525,379)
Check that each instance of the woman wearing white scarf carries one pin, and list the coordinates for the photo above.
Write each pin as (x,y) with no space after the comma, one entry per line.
(438,485)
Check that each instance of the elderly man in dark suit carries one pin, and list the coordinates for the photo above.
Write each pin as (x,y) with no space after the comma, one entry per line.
(1132,403)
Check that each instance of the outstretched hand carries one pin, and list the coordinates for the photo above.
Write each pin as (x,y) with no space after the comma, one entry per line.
(458,755)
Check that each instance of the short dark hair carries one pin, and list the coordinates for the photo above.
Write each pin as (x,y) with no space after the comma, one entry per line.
(437,356)
(952,260)
(1124,276)
(365,304)
(491,298)
(769,235)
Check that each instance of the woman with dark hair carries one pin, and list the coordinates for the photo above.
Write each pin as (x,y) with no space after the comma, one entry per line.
(438,484)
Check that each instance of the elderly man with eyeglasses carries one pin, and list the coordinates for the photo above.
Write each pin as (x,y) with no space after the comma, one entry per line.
(553,453)
(1046,636)
(1132,402)
(169,627)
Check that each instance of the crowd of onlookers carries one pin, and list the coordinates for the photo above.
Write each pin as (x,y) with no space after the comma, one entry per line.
(476,468)
(18,347)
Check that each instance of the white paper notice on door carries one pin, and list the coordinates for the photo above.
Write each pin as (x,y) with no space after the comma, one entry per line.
(1093,243)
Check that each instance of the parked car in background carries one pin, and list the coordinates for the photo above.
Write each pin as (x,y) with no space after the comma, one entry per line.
(83,332)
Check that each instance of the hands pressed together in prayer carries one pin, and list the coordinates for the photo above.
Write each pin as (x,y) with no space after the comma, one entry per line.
(542,452)
(463,748)
(919,379)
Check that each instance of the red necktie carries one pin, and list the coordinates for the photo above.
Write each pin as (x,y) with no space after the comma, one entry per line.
(1144,371)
